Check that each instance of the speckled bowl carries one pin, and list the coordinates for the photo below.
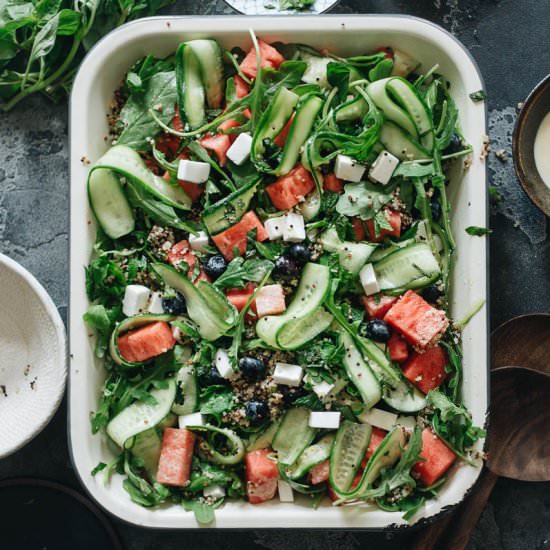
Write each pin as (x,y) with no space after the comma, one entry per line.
(535,108)
(269,7)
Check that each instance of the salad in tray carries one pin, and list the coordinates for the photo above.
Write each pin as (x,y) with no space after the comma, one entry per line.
(269,285)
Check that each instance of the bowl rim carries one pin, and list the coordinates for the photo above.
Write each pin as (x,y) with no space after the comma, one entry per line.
(61,363)
(276,13)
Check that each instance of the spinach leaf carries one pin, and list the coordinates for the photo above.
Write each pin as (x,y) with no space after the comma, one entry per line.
(295,4)
(338,77)
(478,231)
(105,280)
(269,251)
(239,272)
(480,95)
(216,400)
(204,512)
(363,200)
(137,122)
(382,70)
(102,320)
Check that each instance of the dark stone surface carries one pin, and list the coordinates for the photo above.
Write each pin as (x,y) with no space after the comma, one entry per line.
(511,42)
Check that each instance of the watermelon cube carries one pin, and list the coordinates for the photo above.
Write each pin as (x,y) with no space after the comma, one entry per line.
(239,296)
(438,458)
(290,189)
(175,457)
(332,494)
(394,218)
(236,237)
(319,473)
(146,342)
(426,370)
(270,300)
(262,475)
(399,351)
(280,140)
(358,229)
(182,252)
(269,58)
(420,323)
(377,305)
(376,438)
(332,183)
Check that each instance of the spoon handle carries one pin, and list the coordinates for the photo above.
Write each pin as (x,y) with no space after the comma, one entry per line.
(454,530)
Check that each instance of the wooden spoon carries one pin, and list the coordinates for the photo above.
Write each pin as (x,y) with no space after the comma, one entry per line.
(523,340)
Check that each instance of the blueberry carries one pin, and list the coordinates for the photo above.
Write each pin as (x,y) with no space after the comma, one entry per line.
(252,368)
(215,266)
(300,253)
(436,209)
(431,293)
(175,305)
(215,377)
(455,145)
(257,411)
(291,393)
(378,330)
(285,267)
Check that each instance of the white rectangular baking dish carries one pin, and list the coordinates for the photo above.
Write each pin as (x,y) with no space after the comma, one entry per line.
(101,73)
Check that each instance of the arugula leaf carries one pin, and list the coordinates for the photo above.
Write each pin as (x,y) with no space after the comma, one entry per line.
(295,4)
(478,231)
(103,321)
(480,95)
(105,280)
(205,474)
(363,200)
(239,271)
(204,512)
(269,251)
(338,77)
(136,120)
(216,400)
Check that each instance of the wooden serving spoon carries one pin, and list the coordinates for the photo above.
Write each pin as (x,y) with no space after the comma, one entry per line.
(518,434)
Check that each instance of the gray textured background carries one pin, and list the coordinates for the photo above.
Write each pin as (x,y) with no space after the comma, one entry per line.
(511,42)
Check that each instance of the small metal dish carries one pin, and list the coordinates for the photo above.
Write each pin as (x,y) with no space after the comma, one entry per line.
(535,108)
(269,7)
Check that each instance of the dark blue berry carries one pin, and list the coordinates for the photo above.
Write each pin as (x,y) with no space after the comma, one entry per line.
(215,266)
(436,209)
(455,145)
(431,293)
(215,377)
(252,368)
(300,253)
(257,411)
(285,267)
(175,305)
(378,330)
(291,393)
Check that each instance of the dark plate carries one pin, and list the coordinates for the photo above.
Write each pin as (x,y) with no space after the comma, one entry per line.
(535,108)
(38,515)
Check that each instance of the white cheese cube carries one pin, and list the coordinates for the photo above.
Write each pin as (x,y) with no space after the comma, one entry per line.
(193,171)
(326,419)
(285,491)
(198,241)
(240,149)
(289,375)
(275,227)
(348,169)
(155,303)
(193,419)
(421,233)
(383,167)
(407,422)
(223,364)
(379,418)
(316,71)
(294,230)
(136,298)
(214,491)
(322,389)
(368,279)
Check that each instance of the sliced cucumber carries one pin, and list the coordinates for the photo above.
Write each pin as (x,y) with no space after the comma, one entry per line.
(401,144)
(297,332)
(293,436)
(384,251)
(209,56)
(147,446)
(141,416)
(132,323)
(313,455)
(306,112)
(352,256)
(127,162)
(206,305)
(407,96)
(109,203)
(229,210)
(234,444)
(187,391)
(359,372)
(408,268)
(264,439)
(311,207)
(354,109)
(405,398)
(350,445)
(403,63)
(379,94)
(311,293)
(191,92)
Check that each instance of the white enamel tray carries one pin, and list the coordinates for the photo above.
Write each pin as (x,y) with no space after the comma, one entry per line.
(101,73)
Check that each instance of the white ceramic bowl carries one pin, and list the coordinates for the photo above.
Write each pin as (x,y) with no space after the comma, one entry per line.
(33,357)
(101,73)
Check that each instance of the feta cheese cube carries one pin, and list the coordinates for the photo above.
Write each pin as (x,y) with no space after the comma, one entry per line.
(322,389)
(136,298)
(379,418)
(421,233)
(214,491)
(285,491)
(199,241)
(155,303)
(368,279)
(193,171)
(348,169)
(407,422)
(275,227)
(325,419)
(240,149)
(270,300)
(294,230)
(289,375)
(383,167)
(223,364)
(193,419)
